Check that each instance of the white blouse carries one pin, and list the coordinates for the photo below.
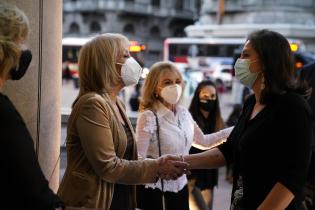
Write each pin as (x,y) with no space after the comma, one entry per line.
(177,134)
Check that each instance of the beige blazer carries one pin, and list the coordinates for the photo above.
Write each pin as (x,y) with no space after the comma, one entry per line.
(96,143)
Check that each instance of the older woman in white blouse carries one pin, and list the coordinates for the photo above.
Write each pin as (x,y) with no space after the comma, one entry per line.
(173,132)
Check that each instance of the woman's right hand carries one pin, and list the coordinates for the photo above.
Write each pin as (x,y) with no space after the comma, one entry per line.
(171,167)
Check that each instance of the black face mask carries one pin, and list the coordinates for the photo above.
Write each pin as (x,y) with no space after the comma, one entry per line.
(18,72)
(207,105)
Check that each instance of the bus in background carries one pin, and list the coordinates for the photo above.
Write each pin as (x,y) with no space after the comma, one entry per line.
(213,57)
(70,52)
(202,58)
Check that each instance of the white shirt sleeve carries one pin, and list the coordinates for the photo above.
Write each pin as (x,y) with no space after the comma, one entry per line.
(208,141)
(146,127)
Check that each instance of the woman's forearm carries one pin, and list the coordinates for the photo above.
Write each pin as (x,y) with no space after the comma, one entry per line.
(209,159)
(278,198)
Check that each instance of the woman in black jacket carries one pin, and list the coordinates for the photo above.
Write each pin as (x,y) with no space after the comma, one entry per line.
(23,184)
(270,145)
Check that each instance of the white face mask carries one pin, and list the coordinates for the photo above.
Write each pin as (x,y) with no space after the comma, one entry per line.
(171,93)
(130,71)
(243,73)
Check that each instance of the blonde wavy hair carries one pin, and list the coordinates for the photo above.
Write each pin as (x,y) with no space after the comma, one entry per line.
(149,99)
(14,28)
(97,63)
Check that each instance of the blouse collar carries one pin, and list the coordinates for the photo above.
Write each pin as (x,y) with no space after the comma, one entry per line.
(164,112)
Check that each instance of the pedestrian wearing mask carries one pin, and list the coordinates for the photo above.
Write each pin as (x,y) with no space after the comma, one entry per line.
(23,182)
(271,143)
(165,127)
(205,110)
(101,151)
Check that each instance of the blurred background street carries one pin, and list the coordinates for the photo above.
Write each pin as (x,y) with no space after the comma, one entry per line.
(203,38)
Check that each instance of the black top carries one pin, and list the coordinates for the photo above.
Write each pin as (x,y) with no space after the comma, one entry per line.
(308,74)
(275,146)
(23,184)
(122,193)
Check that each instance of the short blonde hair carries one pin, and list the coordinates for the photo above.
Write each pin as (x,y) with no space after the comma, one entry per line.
(149,99)
(14,24)
(97,59)
(14,27)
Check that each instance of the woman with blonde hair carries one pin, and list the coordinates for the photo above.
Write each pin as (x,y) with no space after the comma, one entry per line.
(101,150)
(165,127)
(23,182)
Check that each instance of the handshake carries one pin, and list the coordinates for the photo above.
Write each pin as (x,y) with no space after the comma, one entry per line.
(172,167)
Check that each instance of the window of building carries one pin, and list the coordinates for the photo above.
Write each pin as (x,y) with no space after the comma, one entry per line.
(155,32)
(154,55)
(179,4)
(129,29)
(179,32)
(95,27)
(156,3)
(74,28)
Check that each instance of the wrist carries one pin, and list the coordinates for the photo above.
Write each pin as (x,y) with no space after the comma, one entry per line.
(181,158)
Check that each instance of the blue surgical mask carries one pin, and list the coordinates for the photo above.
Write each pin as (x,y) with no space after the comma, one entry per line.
(243,74)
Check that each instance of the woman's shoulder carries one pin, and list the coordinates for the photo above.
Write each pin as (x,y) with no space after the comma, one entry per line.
(293,101)
(147,115)
(4,100)
(90,98)
(6,105)
(146,112)
(147,121)
(92,101)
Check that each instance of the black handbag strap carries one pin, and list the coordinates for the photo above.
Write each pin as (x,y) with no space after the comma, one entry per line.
(157,132)
(160,152)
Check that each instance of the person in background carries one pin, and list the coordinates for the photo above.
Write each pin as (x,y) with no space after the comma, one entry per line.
(134,100)
(270,145)
(103,165)
(307,73)
(23,183)
(205,110)
(165,127)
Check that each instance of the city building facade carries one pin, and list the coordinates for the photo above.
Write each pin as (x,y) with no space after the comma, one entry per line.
(148,22)
(236,18)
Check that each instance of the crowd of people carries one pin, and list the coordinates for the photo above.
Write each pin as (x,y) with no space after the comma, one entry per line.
(171,161)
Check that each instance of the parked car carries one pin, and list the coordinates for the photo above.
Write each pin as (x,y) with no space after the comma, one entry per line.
(219,70)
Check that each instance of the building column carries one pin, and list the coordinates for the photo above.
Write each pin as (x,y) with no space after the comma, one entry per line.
(37,96)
